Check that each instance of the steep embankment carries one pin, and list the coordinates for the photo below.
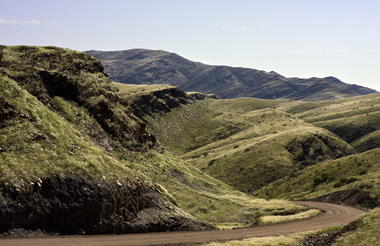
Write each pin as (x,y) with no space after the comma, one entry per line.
(244,142)
(160,67)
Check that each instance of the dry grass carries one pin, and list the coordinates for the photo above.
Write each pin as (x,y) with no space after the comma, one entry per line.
(134,90)
(291,240)
(273,219)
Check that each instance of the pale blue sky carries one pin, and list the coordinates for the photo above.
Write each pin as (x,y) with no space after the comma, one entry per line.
(295,38)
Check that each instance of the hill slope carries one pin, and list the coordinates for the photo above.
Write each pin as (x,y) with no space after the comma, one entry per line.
(59,175)
(75,156)
(356,120)
(244,142)
(161,67)
(353,180)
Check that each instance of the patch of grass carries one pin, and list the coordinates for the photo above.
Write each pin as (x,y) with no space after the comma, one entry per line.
(286,218)
(130,90)
(290,240)
(44,143)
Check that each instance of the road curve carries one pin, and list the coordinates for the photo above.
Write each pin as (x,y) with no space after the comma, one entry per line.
(332,215)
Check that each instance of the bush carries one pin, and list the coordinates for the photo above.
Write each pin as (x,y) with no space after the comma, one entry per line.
(362,172)
(345,181)
(321,179)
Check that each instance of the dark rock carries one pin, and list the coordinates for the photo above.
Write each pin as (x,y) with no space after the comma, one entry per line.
(157,101)
(327,238)
(201,96)
(7,112)
(352,197)
(82,204)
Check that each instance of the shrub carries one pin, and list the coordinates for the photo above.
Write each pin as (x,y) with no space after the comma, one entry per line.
(321,179)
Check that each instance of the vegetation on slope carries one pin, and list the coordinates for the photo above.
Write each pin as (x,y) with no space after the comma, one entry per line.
(71,151)
(54,177)
(138,66)
(353,180)
(46,72)
(243,142)
(205,197)
(356,120)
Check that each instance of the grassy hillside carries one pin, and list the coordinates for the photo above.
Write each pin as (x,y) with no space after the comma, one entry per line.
(73,147)
(369,141)
(49,169)
(142,66)
(353,180)
(356,120)
(246,143)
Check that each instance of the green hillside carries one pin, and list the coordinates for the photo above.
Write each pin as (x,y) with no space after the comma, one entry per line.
(75,156)
(356,120)
(353,180)
(247,143)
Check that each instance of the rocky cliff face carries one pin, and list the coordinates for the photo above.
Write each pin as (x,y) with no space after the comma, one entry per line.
(138,66)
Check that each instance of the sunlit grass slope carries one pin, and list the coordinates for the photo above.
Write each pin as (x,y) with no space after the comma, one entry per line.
(358,171)
(245,142)
(356,119)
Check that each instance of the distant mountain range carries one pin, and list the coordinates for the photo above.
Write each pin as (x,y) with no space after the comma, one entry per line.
(142,66)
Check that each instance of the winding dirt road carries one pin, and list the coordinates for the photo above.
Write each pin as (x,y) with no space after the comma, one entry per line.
(333,215)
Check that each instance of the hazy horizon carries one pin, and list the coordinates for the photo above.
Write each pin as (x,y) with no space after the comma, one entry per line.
(294,38)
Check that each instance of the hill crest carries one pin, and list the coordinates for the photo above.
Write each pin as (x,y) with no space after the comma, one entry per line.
(138,66)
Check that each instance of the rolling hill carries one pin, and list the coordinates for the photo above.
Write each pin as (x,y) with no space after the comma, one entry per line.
(138,66)
(246,142)
(356,120)
(352,180)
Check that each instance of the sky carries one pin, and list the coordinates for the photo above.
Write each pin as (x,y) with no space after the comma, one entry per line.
(296,38)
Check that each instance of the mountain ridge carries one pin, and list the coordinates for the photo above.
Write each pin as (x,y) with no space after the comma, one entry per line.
(138,66)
